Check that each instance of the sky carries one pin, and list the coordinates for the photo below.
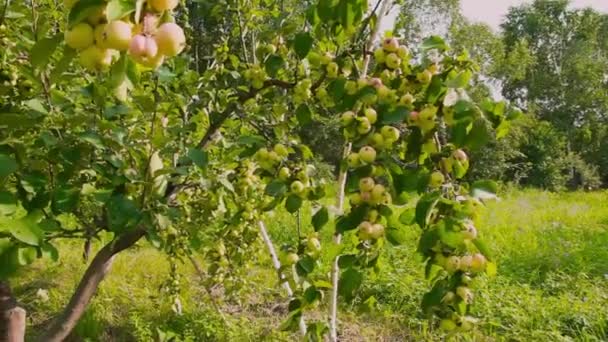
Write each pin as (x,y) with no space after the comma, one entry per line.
(492,12)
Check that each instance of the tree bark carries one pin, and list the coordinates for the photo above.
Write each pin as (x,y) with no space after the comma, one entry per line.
(61,327)
(12,317)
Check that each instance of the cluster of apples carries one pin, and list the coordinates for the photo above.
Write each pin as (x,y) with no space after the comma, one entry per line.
(100,41)
(363,123)
(391,54)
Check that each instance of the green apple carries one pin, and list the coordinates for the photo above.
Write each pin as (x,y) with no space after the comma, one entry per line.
(465,293)
(364,126)
(94,58)
(313,245)
(372,215)
(424,77)
(447,325)
(80,36)
(448,298)
(297,187)
(351,87)
(163,5)
(353,160)
(366,196)
(367,154)
(281,150)
(170,39)
(436,180)
(390,44)
(262,154)
(332,70)
(377,231)
(290,259)
(393,61)
(347,118)
(284,173)
(465,263)
(387,199)
(118,35)
(355,199)
(403,52)
(460,155)
(452,264)
(377,140)
(366,230)
(478,263)
(378,192)
(413,118)
(390,133)
(366,184)
(375,82)
(406,100)
(379,55)
(371,115)
(469,232)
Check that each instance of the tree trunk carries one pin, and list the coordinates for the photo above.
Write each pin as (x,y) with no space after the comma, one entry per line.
(12,317)
(61,327)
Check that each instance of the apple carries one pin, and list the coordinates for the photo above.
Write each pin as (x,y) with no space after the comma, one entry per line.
(379,55)
(452,264)
(478,263)
(284,173)
(377,140)
(460,155)
(383,93)
(355,199)
(469,232)
(367,154)
(387,199)
(387,76)
(80,36)
(290,259)
(170,39)
(281,150)
(347,118)
(262,153)
(433,69)
(366,230)
(351,87)
(94,58)
(371,115)
(436,179)
(449,297)
(465,263)
(375,82)
(372,215)
(447,325)
(377,231)
(393,61)
(413,118)
(117,35)
(332,70)
(297,187)
(366,184)
(377,192)
(353,160)
(313,245)
(97,16)
(390,133)
(143,47)
(364,126)
(403,52)
(362,83)
(390,44)
(163,5)
(424,77)
(406,100)
(465,293)
(99,36)
(366,196)
(326,58)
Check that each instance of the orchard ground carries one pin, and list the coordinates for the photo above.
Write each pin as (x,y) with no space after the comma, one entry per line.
(552,285)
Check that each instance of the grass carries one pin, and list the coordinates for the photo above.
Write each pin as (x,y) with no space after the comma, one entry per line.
(552,251)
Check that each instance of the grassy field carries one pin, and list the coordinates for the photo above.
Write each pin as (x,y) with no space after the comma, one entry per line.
(552,251)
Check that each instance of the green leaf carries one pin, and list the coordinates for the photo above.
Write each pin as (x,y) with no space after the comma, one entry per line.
(433,42)
(479,135)
(83,9)
(276,188)
(65,200)
(24,229)
(122,213)
(7,166)
(273,64)
(346,260)
(92,138)
(49,251)
(119,8)
(484,189)
(43,50)
(352,220)
(302,44)
(350,281)
(305,265)
(461,80)
(425,207)
(293,203)
(8,203)
(26,255)
(304,115)
(408,216)
(199,157)
(483,248)
(320,218)
(36,105)
(396,236)
(397,115)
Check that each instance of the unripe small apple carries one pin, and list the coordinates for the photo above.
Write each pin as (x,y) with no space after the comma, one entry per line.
(371,115)
(460,155)
(355,199)
(93,58)
(326,58)
(153,62)
(403,52)
(313,245)
(379,55)
(424,77)
(375,82)
(390,133)
(393,61)
(452,264)
(465,293)
(406,100)
(465,263)
(100,37)
(281,150)
(297,187)
(364,126)
(413,118)
(469,232)
(366,184)
(387,199)
(378,192)
(436,180)
(383,93)
(284,173)
(367,154)
(372,215)
(97,16)
(377,140)
(365,230)
(117,35)
(377,231)
(80,36)
(353,160)
(366,196)
(448,298)
(478,263)
(291,259)
(390,44)
(274,157)
(447,325)
(170,39)
(163,5)
(332,70)
(262,154)
(347,118)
